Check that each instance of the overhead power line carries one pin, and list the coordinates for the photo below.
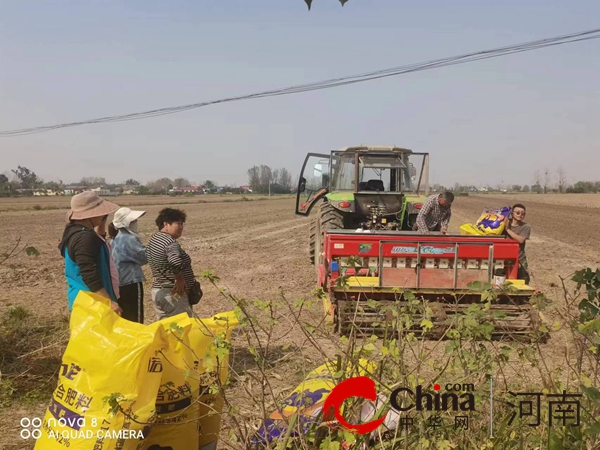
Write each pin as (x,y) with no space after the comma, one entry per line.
(335,82)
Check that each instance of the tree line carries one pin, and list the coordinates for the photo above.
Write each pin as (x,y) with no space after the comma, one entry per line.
(544,181)
(263,180)
(25,181)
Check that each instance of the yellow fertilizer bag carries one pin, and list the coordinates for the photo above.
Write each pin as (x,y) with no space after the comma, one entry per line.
(107,383)
(188,405)
(469,228)
(492,221)
(210,339)
(176,424)
(307,400)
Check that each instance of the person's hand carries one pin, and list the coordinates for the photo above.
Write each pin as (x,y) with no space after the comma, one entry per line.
(444,231)
(116,308)
(180,286)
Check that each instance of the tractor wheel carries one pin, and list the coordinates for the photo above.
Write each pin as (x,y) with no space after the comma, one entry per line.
(331,218)
(312,231)
(328,218)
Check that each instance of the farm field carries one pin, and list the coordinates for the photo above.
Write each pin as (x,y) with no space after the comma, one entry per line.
(133,201)
(259,248)
(579,200)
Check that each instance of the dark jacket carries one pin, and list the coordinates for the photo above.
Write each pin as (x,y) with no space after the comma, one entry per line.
(87,262)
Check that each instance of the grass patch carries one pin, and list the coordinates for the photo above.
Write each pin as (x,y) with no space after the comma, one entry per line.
(31,350)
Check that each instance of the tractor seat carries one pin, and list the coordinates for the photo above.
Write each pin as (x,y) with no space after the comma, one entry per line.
(375,185)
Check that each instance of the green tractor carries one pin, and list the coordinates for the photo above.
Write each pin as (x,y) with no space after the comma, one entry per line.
(365,187)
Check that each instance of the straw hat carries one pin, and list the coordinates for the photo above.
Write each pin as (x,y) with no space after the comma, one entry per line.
(124,217)
(88,204)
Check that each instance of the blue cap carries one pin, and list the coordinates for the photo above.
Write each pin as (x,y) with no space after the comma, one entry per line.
(334,266)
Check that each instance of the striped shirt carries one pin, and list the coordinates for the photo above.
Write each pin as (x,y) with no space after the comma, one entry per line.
(166,259)
(432,215)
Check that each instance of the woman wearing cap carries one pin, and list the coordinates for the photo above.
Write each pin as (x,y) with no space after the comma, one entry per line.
(130,255)
(87,256)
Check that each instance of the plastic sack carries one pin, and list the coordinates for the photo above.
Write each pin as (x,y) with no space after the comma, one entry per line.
(209,337)
(389,426)
(307,401)
(469,228)
(188,410)
(106,356)
(492,221)
(176,424)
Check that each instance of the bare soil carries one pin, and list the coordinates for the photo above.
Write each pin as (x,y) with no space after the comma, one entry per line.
(258,248)
(577,200)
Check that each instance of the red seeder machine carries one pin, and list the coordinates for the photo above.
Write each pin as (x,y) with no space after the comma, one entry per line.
(441,270)
(362,244)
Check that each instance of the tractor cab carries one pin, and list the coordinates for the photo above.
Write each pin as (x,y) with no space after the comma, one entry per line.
(363,183)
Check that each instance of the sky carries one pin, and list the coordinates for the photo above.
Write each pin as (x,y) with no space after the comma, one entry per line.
(488,122)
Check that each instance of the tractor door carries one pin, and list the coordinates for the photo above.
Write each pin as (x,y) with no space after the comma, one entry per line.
(313,183)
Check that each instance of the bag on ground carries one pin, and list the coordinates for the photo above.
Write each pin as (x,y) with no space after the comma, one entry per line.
(108,381)
(210,338)
(175,426)
(188,406)
(307,400)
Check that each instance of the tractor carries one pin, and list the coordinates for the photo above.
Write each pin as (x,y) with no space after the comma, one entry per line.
(365,187)
(366,248)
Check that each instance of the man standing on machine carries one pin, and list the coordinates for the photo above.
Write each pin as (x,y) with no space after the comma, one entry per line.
(435,213)
(520,232)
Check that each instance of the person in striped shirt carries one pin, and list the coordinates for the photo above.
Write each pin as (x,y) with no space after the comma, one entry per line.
(435,213)
(171,266)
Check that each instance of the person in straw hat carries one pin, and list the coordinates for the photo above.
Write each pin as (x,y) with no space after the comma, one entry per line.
(87,256)
(130,255)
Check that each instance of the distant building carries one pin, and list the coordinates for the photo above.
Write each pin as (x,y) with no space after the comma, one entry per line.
(106,192)
(129,189)
(186,190)
(74,189)
(46,192)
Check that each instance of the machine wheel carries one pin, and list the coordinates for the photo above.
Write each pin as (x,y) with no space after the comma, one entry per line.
(312,232)
(329,218)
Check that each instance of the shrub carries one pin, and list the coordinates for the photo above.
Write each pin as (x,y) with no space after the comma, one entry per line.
(30,354)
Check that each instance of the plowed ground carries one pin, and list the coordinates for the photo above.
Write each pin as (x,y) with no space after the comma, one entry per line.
(258,248)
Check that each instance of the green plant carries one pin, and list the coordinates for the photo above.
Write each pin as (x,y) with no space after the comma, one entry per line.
(465,356)
(278,341)
(590,280)
(30,354)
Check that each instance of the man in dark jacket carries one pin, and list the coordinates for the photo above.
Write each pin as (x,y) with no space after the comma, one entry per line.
(87,256)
